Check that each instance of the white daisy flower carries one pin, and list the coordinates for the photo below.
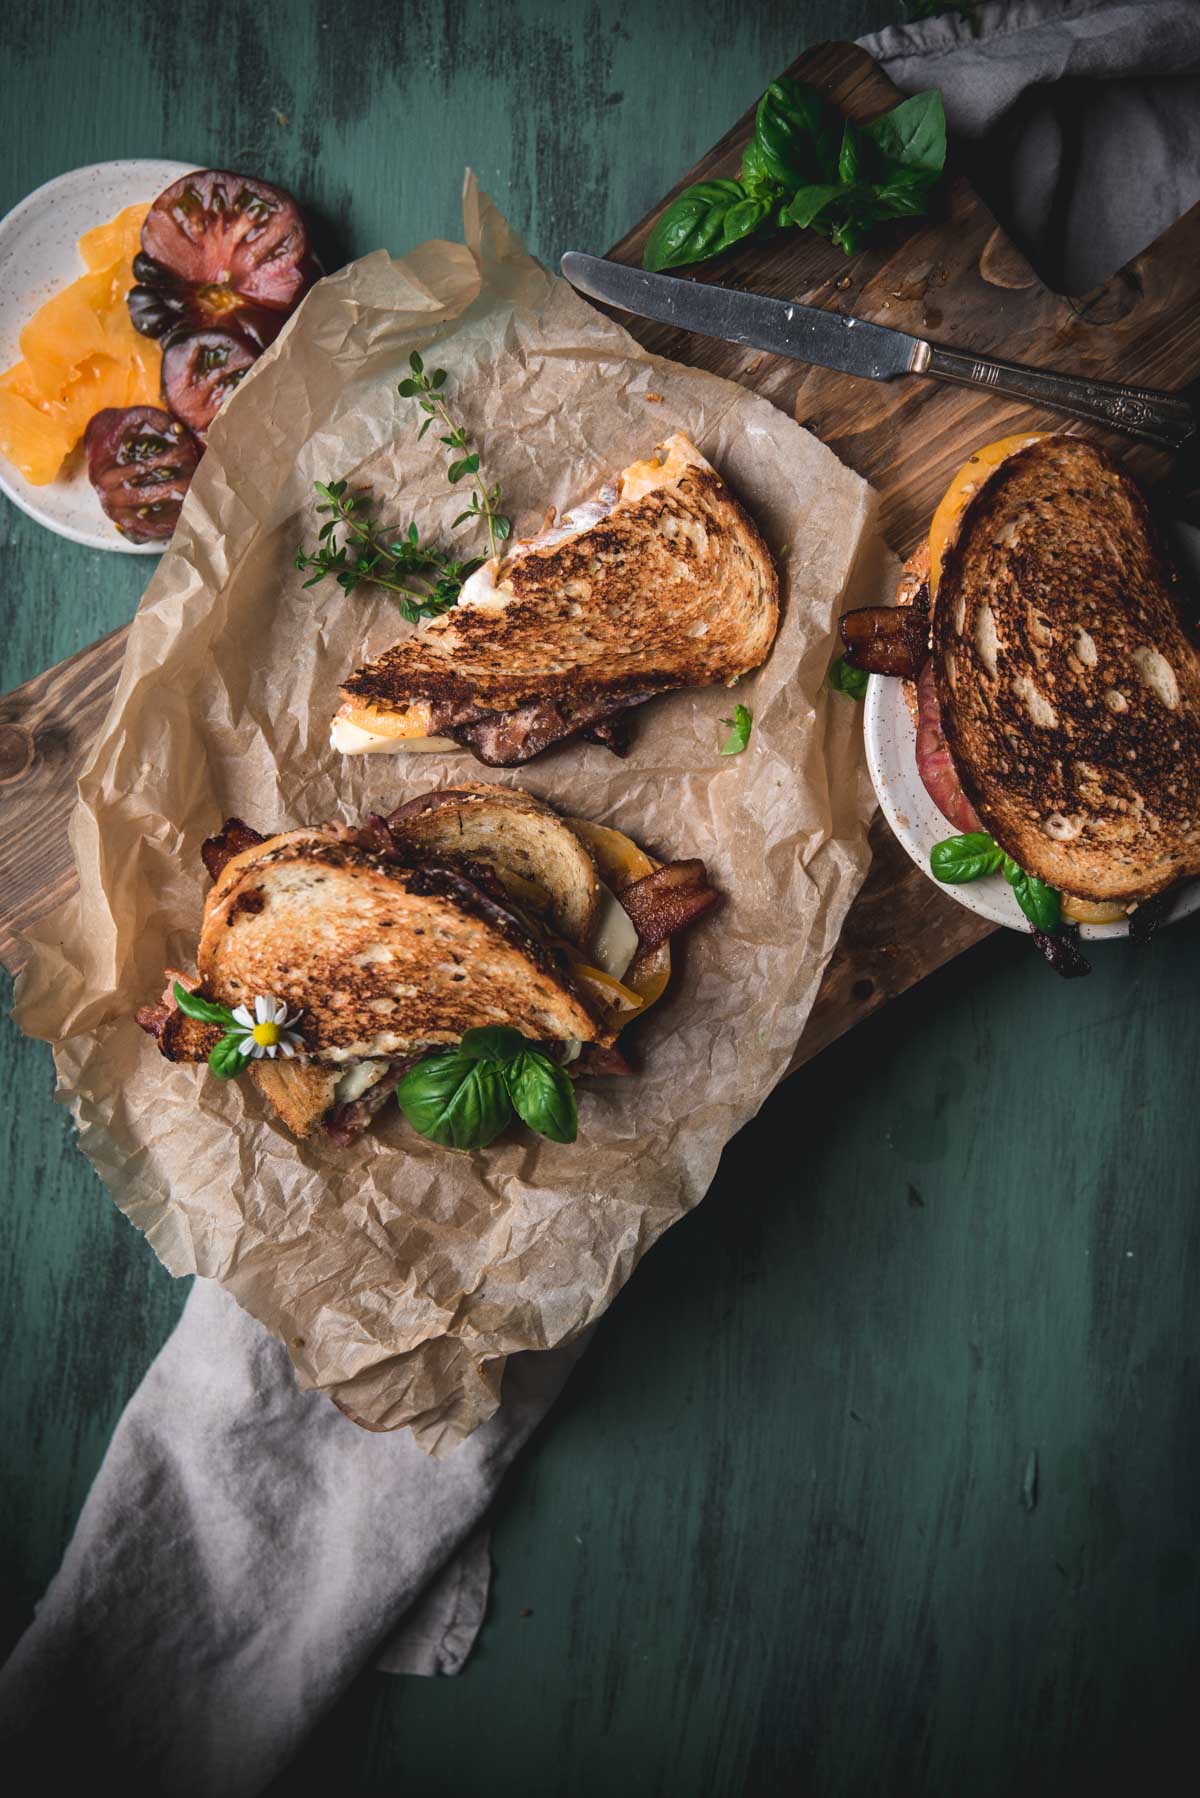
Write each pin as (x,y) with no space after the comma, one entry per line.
(269,1031)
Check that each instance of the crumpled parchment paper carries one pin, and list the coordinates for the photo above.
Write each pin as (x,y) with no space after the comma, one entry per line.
(401,1275)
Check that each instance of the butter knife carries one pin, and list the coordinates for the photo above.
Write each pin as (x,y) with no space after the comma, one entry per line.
(855,346)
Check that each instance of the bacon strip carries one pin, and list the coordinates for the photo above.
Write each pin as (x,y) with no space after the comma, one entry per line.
(665,902)
(886,639)
(233,838)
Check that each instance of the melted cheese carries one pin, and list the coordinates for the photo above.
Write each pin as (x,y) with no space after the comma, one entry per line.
(614,939)
(670,462)
(358,1080)
(481,592)
(349,738)
(962,490)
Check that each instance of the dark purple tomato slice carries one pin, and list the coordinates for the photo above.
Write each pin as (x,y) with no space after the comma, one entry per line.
(161,305)
(216,244)
(140,460)
(199,372)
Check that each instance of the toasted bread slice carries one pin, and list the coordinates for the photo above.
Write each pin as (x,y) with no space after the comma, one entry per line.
(379,960)
(537,857)
(302,1093)
(670,585)
(1068,686)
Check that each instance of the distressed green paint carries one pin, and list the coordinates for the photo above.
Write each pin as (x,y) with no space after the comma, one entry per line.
(774,1540)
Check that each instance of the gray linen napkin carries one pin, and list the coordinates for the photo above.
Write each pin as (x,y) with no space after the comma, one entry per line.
(1081,117)
(245,1552)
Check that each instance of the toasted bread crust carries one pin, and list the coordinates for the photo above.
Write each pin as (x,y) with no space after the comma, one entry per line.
(378,959)
(301,1093)
(537,857)
(1069,689)
(674,588)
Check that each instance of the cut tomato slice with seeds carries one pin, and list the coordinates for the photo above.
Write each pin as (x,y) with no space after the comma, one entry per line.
(199,372)
(140,460)
(215,243)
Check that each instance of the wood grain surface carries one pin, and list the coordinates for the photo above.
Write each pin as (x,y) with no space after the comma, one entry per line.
(773,1543)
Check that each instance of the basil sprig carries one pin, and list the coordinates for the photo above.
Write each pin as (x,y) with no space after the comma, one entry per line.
(976,854)
(228,1058)
(463,1098)
(796,171)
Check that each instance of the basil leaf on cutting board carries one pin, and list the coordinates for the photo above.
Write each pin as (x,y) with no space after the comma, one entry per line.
(807,167)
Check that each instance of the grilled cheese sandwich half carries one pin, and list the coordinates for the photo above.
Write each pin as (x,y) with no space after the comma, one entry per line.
(660,582)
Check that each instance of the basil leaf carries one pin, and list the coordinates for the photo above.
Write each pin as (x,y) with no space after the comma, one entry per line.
(456,1100)
(903,195)
(1041,904)
(228,1059)
(808,203)
(850,156)
(543,1095)
(493,1042)
(757,178)
(793,142)
(969,857)
(740,726)
(205,1011)
(744,218)
(845,679)
(692,227)
(912,134)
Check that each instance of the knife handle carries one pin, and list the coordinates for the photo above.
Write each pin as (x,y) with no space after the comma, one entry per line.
(1162,418)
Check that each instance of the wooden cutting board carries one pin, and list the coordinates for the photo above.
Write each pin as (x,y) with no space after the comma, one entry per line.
(956,278)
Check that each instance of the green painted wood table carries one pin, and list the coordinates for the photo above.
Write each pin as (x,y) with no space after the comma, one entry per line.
(883,1474)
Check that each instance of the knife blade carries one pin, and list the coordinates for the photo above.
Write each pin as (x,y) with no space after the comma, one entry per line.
(856,346)
(782,327)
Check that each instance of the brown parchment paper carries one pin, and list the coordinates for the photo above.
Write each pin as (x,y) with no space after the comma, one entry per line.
(401,1275)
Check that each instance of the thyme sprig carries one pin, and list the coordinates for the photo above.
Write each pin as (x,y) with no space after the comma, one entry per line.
(485,500)
(354,548)
(427,581)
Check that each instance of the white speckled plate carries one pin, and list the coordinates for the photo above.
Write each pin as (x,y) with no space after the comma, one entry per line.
(38,255)
(891,741)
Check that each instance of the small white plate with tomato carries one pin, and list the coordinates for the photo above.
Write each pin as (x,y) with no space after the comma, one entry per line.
(134,295)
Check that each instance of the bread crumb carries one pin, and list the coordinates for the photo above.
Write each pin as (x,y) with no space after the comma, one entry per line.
(655,399)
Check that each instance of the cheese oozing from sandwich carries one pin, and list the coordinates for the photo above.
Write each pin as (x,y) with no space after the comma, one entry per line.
(350,738)
(973,474)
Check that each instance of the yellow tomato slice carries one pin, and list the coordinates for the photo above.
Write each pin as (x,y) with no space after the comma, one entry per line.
(80,354)
(1092,911)
(619,1003)
(118,241)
